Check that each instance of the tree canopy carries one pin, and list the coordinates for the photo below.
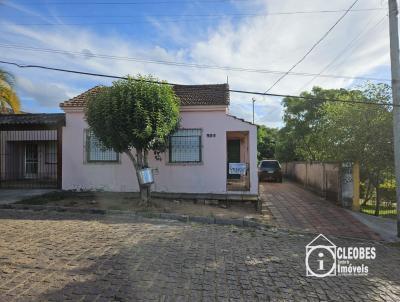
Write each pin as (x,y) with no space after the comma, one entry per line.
(321,128)
(134,113)
(266,141)
(137,113)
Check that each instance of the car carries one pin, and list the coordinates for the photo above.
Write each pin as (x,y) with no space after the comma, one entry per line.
(269,169)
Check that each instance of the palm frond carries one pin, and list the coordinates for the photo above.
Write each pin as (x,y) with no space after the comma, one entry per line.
(6,78)
(8,97)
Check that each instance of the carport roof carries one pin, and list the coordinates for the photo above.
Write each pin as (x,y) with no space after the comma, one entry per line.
(32,119)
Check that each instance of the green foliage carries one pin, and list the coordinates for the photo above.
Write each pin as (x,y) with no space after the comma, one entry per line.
(266,141)
(316,129)
(285,148)
(9,100)
(134,113)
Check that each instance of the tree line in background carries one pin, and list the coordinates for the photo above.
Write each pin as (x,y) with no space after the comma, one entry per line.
(320,128)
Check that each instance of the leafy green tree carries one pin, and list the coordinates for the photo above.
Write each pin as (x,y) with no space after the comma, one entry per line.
(363,133)
(319,127)
(137,114)
(8,98)
(285,147)
(266,140)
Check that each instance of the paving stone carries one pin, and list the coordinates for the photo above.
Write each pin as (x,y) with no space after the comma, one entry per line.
(53,256)
(289,206)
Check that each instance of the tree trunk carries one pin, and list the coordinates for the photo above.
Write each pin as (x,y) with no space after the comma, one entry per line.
(139,162)
(145,196)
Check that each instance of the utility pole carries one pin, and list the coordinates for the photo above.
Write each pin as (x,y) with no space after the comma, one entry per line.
(395,67)
(254,100)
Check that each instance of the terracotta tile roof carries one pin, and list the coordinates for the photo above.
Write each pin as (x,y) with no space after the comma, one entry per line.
(217,94)
(37,119)
(189,95)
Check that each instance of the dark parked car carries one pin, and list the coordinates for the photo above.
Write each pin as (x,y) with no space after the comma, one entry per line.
(269,170)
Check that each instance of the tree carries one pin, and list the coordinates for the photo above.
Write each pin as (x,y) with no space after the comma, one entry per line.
(266,140)
(8,98)
(319,127)
(363,133)
(135,114)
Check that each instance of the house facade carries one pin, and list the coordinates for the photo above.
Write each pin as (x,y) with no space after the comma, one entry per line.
(29,150)
(200,159)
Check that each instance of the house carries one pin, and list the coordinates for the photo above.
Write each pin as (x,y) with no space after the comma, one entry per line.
(29,156)
(213,155)
(197,161)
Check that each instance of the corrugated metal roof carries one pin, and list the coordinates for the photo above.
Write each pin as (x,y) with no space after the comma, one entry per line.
(34,119)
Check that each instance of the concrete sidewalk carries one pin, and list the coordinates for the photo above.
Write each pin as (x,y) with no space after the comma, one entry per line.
(13,195)
(385,227)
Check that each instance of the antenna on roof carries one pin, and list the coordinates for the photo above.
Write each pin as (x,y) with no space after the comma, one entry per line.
(227,79)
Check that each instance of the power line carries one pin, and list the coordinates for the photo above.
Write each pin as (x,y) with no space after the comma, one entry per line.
(81,3)
(175,84)
(89,54)
(221,15)
(182,18)
(345,49)
(313,47)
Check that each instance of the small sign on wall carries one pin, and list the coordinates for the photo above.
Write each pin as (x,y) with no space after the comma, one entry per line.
(237,168)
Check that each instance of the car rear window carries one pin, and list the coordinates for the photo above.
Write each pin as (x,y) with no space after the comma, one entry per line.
(269,164)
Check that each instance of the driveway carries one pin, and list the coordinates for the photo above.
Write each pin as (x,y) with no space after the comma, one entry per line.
(290,206)
(47,256)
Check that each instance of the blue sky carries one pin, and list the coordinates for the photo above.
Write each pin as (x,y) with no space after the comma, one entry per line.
(248,34)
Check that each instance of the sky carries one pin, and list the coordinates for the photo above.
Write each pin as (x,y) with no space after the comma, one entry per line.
(248,38)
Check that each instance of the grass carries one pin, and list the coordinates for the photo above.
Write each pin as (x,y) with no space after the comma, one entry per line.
(388,212)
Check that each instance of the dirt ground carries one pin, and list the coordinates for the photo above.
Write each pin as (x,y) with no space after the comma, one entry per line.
(130,202)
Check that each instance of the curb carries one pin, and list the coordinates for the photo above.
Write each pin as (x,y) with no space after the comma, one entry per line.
(240,222)
(247,223)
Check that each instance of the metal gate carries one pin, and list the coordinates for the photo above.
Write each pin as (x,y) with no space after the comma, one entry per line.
(30,153)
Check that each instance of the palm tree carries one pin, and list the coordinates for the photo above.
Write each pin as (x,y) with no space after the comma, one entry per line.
(9,101)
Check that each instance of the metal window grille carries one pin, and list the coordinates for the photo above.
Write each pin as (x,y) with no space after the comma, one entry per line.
(51,153)
(185,146)
(96,152)
(29,159)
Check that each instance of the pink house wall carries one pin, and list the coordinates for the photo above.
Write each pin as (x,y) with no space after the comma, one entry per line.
(206,177)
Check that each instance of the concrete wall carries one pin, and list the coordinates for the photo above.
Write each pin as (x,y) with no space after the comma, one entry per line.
(209,176)
(322,178)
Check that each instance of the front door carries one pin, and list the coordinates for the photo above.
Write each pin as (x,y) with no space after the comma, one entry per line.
(233,156)
(31,160)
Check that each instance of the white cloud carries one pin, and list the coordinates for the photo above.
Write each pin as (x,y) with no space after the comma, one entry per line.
(273,42)
(44,93)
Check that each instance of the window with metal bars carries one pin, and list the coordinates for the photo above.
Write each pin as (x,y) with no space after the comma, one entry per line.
(96,152)
(185,146)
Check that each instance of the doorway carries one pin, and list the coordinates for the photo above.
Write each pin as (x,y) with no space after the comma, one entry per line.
(233,156)
(31,160)
(237,148)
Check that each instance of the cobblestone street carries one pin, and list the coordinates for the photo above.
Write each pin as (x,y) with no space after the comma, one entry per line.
(48,256)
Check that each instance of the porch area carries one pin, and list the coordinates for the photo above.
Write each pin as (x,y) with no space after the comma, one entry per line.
(238,161)
(30,150)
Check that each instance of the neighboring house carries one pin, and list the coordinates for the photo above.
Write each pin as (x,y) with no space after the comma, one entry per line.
(197,161)
(28,150)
